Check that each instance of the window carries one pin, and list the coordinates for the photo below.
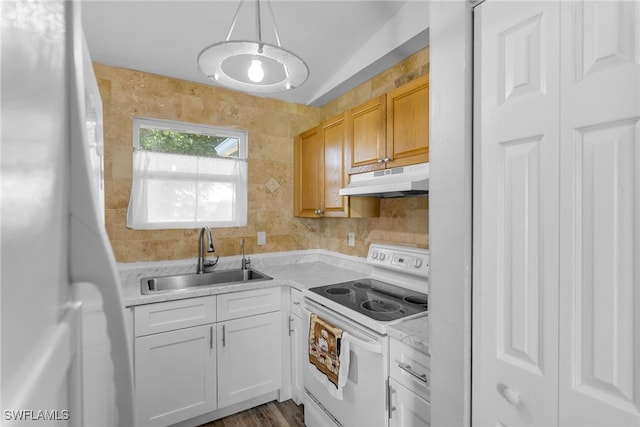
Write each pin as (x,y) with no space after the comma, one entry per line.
(187,176)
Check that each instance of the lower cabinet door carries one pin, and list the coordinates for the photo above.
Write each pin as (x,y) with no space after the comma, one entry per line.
(175,375)
(297,358)
(249,358)
(408,409)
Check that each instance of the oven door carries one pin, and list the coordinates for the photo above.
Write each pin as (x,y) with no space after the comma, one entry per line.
(364,400)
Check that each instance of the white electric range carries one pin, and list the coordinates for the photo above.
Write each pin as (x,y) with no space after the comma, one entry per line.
(396,290)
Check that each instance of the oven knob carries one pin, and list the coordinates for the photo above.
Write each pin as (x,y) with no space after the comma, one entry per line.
(374,255)
(382,256)
(418,263)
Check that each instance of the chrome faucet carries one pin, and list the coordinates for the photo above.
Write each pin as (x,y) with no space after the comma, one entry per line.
(203,263)
(245,261)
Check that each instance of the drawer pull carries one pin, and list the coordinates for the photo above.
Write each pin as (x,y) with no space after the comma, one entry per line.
(409,370)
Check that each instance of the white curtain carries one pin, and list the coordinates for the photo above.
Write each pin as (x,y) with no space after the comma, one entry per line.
(178,191)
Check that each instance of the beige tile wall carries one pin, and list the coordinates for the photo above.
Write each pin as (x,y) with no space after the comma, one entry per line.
(271,126)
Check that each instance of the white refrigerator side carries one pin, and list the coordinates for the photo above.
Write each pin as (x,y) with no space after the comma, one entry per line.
(91,260)
(40,352)
(53,238)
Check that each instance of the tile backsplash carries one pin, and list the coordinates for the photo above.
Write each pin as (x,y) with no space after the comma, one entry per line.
(271,126)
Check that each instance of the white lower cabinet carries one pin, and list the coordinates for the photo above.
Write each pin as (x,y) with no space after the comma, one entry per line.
(249,357)
(175,375)
(192,357)
(409,386)
(407,408)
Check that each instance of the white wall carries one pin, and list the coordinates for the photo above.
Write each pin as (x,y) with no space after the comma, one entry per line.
(450,211)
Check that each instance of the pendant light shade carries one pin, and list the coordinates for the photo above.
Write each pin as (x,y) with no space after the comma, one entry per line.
(253,66)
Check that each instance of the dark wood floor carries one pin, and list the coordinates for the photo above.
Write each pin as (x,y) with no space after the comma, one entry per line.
(272,414)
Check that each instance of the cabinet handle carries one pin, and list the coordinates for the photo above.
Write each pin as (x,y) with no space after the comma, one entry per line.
(296,303)
(390,406)
(290,321)
(223,336)
(386,160)
(318,211)
(409,370)
(211,337)
(380,161)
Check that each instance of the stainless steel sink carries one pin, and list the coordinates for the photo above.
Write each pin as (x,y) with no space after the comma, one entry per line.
(149,285)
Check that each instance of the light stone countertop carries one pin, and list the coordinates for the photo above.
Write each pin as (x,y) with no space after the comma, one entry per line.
(414,333)
(299,269)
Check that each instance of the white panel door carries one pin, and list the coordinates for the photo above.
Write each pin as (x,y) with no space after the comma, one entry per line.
(600,214)
(516,150)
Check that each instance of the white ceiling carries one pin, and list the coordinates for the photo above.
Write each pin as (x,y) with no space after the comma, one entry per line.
(344,43)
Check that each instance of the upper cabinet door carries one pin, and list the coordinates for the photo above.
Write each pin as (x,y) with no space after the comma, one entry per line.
(307,165)
(335,177)
(320,172)
(408,124)
(366,130)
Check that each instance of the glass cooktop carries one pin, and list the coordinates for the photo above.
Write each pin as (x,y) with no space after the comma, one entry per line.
(378,300)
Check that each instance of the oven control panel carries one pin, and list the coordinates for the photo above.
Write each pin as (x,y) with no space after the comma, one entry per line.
(409,260)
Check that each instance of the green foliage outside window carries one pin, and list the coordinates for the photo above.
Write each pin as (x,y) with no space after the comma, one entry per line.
(192,144)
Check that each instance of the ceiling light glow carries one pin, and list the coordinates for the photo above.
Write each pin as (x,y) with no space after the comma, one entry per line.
(255,72)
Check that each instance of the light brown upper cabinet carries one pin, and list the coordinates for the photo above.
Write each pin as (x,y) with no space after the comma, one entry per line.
(319,172)
(408,123)
(391,130)
(307,163)
(366,136)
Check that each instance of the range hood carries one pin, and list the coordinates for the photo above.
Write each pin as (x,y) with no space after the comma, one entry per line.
(406,181)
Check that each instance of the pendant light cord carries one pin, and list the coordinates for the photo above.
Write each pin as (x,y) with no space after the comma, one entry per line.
(273,19)
(259,26)
(235,19)
(258,23)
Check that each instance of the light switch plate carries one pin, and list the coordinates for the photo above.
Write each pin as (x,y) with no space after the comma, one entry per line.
(262,238)
(351,240)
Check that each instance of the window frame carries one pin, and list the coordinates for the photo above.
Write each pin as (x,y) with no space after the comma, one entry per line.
(178,126)
(210,176)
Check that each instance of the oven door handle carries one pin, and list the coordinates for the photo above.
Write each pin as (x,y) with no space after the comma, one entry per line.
(369,346)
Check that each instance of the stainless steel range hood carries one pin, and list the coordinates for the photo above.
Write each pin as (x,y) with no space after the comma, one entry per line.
(406,181)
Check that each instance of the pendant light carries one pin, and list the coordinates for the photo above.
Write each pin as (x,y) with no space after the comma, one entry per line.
(253,66)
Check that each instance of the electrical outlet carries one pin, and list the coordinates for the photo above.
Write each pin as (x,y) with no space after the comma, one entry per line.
(262,238)
(351,240)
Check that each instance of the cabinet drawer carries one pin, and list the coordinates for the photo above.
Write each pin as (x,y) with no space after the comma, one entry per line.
(166,316)
(248,303)
(410,368)
(296,302)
